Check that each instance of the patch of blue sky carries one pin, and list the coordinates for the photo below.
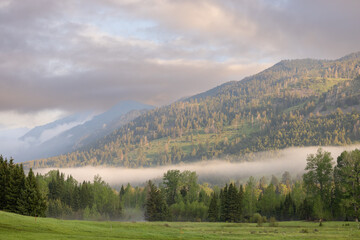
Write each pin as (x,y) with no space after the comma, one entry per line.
(119,25)
(139,29)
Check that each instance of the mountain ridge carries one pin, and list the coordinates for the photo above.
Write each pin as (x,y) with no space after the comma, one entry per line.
(83,133)
(239,117)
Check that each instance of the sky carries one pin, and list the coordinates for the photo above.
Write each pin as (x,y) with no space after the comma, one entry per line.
(60,57)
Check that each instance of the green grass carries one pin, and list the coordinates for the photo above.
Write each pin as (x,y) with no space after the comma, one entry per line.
(317,84)
(14,226)
(230,132)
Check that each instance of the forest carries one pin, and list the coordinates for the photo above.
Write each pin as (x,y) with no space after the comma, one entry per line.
(294,103)
(328,190)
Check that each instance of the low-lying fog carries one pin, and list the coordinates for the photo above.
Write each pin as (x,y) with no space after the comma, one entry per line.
(215,171)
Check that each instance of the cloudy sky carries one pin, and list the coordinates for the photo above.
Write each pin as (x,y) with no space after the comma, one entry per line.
(58,57)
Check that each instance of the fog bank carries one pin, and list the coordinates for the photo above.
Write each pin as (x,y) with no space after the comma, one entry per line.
(257,165)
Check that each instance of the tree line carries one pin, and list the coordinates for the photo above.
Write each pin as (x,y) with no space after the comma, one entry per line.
(19,193)
(324,192)
(328,190)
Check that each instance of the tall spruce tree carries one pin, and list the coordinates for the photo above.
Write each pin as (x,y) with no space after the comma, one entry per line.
(156,208)
(31,201)
(121,192)
(3,181)
(213,212)
(18,186)
(224,204)
(234,204)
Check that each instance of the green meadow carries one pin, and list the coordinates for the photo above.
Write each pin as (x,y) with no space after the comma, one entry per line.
(13,226)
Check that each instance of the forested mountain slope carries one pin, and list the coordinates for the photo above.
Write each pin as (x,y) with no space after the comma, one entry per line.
(294,103)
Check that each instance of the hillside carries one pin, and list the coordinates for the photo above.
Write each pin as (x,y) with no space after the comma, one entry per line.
(294,103)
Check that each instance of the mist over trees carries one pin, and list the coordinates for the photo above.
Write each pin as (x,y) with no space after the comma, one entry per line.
(328,190)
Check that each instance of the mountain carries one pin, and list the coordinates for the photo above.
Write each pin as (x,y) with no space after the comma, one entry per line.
(80,134)
(100,125)
(301,102)
(45,132)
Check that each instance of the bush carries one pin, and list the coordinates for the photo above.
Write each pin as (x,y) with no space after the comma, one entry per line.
(273,222)
(256,218)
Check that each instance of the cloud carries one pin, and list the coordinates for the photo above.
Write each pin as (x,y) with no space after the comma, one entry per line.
(53,132)
(261,164)
(10,143)
(14,119)
(91,54)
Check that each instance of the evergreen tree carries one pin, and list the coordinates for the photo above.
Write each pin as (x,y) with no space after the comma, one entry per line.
(11,188)
(306,210)
(3,181)
(156,208)
(121,192)
(213,211)
(287,209)
(224,204)
(234,204)
(19,184)
(31,201)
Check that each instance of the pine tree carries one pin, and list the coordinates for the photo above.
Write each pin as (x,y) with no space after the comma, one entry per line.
(232,204)
(13,187)
(213,212)
(156,207)
(122,192)
(3,181)
(224,204)
(19,180)
(31,201)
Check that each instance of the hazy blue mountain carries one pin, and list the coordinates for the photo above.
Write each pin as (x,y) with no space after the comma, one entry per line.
(45,132)
(78,134)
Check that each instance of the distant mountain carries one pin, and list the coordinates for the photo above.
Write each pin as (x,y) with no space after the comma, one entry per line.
(9,141)
(45,132)
(99,126)
(79,134)
(302,102)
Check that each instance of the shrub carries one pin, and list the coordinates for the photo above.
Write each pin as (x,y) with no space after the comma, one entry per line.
(256,218)
(273,222)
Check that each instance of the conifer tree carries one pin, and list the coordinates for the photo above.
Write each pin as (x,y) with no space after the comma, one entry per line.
(224,204)
(156,207)
(31,201)
(19,185)
(121,192)
(213,212)
(13,187)
(3,182)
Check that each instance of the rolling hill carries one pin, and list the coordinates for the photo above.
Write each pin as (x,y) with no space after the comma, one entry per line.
(302,102)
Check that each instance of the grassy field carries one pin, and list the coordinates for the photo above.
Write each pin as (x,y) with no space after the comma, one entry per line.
(14,226)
